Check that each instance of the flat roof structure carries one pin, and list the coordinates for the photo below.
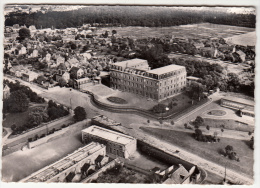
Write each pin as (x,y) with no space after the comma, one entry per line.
(192,78)
(165,69)
(130,63)
(109,135)
(240,100)
(47,173)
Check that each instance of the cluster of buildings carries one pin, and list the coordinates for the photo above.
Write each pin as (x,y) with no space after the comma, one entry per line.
(102,151)
(135,76)
(75,167)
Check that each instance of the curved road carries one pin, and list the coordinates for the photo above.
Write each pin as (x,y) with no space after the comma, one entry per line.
(65,96)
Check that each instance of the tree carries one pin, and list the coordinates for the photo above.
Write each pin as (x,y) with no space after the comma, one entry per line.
(13,127)
(79,113)
(114,32)
(229,149)
(62,82)
(195,90)
(198,121)
(71,82)
(37,116)
(24,33)
(185,125)
(18,102)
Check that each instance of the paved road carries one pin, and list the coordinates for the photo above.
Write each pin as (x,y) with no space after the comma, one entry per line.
(82,99)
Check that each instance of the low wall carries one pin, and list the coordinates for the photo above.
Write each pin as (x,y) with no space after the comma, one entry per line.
(96,174)
(133,110)
(14,148)
(12,142)
(64,131)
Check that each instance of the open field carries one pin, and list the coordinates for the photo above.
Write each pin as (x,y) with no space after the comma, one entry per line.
(246,39)
(200,31)
(210,151)
(228,124)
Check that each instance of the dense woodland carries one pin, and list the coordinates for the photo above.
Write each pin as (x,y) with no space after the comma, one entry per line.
(129,16)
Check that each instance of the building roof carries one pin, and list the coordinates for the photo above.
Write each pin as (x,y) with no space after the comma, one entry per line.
(130,63)
(240,53)
(192,78)
(74,70)
(108,134)
(179,175)
(165,69)
(99,159)
(62,66)
(54,169)
(240,100)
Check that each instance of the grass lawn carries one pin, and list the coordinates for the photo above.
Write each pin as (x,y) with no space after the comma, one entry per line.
(217,113)
(210,151)
(229,124)
(19,119)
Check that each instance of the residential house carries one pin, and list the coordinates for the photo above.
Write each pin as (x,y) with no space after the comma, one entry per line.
(64,75)
(60,60)
(6,92)
(22,51)
(35,53)
(76,73)
(17,70)
(240,56)
(61,68)
(81,83)
(48,57)
(29,76)
(178,175)
(226,49)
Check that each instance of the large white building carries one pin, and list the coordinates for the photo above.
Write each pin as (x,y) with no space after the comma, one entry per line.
(136,77)
(116,143)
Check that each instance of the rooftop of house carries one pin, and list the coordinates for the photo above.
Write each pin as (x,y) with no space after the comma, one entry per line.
(108,134)
(165,69)
(178,176)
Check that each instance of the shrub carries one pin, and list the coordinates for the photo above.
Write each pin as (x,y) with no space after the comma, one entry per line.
(117,100)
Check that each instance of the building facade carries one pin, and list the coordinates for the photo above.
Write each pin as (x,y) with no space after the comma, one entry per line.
(116,143)
(157,84)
